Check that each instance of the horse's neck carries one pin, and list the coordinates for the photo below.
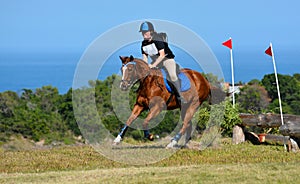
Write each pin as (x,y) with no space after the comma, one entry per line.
(153,76)
(147,75)
(143,70)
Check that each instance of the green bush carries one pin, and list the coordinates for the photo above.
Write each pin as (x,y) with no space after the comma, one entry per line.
(223,115)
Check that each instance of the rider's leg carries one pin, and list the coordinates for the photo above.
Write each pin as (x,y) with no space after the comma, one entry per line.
(170,65)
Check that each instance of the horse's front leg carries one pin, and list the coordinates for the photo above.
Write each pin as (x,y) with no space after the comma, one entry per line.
(137,109)
(154,111)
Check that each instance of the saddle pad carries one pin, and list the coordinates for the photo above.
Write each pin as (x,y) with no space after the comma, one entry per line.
(184,80)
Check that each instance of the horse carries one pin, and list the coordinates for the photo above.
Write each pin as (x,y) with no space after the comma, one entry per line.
(152,85)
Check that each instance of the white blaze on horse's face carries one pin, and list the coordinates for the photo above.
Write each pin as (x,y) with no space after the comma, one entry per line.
(123,72)
(127,76)
(122,85)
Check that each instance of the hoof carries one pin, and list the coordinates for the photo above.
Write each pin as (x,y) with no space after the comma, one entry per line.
(171,145)
(117,140)
(115,143)
(151,137)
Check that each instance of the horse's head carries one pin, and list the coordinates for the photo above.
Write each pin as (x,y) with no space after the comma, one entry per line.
(129,73)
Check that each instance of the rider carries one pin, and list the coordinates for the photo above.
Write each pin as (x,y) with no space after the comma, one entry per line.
(160,53)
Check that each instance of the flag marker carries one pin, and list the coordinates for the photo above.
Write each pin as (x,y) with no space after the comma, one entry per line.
(228,44)
(270,52)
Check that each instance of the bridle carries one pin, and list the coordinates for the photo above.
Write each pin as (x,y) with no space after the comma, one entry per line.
(132,79)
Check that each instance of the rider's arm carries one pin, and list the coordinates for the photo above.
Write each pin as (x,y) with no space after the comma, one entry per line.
(160,58)
(145,58)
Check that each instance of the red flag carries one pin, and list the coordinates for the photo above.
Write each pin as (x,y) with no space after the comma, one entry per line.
(228,43)
(269,51)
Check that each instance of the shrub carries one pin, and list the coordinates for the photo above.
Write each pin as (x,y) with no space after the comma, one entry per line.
(223,115)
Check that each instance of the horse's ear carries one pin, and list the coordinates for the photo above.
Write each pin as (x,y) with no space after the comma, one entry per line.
(131,58)
(122,58)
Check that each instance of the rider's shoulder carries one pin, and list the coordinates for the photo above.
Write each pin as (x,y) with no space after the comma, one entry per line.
(157,37)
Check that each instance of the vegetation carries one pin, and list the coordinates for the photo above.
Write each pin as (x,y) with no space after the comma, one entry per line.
(250,173)
(230,164)
(290,93)
(85,157)
(223,115)
(44,114)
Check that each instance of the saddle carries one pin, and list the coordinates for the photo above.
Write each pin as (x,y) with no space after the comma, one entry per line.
(184,81)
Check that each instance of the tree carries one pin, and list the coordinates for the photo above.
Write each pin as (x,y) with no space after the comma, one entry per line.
(253,98)
(297,76)
(65,109)
(213,79)
(254,81)
(8,102)
(287,84)
(289,91)
(47,98)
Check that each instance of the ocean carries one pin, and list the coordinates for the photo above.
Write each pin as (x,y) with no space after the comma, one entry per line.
(20,71)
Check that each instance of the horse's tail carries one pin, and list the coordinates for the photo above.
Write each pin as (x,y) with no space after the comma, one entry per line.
(209,98)
(216,95)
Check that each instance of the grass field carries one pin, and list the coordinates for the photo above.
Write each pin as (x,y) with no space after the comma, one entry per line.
(244,163)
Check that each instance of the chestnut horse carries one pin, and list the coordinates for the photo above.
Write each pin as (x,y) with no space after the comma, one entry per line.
(152,85)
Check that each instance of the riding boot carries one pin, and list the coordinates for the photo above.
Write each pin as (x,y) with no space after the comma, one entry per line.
(178,93)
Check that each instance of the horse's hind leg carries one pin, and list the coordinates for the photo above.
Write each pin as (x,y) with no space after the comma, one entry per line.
(186,127)
(188,134)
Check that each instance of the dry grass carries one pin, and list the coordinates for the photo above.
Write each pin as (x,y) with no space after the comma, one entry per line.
(244,163)
(205,173)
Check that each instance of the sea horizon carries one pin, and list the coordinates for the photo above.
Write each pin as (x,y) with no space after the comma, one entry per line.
(20,71)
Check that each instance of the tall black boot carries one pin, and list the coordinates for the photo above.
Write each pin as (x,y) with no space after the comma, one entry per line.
(178,94)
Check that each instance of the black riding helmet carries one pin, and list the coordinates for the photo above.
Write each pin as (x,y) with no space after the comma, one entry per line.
(146,26)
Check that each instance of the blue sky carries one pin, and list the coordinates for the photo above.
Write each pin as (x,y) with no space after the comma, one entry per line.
(68,26)
(34,25)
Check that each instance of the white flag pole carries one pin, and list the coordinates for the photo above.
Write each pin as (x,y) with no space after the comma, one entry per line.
(277,84)
(232,77)
(278,91)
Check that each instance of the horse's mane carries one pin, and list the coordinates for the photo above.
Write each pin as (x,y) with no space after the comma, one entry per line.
(142,62)
(150,72)
(143,66)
